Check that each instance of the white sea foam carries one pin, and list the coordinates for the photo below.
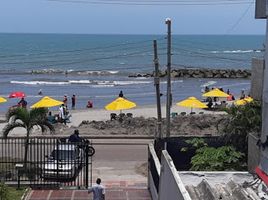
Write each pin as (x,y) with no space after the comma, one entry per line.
(237,51)
(80,81)
(39,83)
(113,72)
(209,83)
(101,86)
(93,83)
(97,72)
(131,82)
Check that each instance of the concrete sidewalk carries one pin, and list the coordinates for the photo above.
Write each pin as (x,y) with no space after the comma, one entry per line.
(120,190)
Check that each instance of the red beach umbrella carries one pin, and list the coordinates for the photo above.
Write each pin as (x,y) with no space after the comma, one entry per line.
(17,95)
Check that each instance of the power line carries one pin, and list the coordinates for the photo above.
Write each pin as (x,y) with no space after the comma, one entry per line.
(239,19)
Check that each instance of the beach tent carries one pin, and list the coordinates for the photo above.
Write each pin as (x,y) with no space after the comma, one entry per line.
(215,93)
(47,102)
(120,104)
(191,102)
(244,101)
(2,100)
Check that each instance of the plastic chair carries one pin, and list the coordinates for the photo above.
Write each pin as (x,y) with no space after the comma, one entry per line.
(183,113)
(129,115)
(122,115)
(174,114)
(113,116)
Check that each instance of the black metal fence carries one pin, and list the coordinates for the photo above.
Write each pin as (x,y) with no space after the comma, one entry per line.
(46,162)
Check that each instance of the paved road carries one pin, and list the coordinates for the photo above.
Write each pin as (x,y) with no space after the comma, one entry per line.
(120,162)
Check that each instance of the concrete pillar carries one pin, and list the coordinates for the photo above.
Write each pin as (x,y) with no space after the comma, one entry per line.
(257,78)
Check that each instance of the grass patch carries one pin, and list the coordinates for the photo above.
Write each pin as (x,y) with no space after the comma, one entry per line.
(10,193)
(14,194)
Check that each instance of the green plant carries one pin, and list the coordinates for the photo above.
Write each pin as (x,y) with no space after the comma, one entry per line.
(21,117)
(195,143)
(242,121)
(214,159)
(217,159)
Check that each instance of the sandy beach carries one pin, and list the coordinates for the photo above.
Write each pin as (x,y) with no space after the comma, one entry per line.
(102,115)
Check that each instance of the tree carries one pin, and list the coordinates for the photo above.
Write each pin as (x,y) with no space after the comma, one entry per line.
(21,117)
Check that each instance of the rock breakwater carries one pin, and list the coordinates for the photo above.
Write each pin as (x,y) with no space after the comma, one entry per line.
(201,73)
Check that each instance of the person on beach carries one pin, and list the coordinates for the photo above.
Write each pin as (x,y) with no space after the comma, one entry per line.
(97,190)
(62,114)
(51,118)
(22,103)
(40,92)
(210,103)
(121,94)
(73,101)
(206,89)
(89,104)
(65,100)
(75,136)
(242,94)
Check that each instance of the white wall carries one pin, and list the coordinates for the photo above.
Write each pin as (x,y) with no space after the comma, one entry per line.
(170,186)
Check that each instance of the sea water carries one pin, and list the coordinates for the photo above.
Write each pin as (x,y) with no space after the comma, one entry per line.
(96,67)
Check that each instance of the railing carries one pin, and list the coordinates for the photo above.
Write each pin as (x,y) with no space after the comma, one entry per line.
(45,162)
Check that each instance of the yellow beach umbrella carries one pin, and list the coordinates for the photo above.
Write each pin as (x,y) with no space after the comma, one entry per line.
(244,101)
(47,102)
(215,93)
(2,100)
(120,104)
(192,102)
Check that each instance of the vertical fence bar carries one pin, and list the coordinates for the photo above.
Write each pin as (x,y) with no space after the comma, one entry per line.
(12,153)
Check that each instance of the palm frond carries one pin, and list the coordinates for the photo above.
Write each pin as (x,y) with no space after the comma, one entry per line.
(47,126)
(10,127)
(19,113)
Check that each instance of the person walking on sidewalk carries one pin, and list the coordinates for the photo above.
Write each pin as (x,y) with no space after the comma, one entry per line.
(98,190)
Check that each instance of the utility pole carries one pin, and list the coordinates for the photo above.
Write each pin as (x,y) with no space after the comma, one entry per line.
(157,88)
(168,22)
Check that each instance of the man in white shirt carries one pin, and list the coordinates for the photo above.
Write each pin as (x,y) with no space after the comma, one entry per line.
(98,190)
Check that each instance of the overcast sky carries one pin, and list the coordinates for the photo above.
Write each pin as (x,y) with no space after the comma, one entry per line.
(43,16)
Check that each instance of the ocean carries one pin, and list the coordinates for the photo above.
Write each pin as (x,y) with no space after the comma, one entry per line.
(96,67)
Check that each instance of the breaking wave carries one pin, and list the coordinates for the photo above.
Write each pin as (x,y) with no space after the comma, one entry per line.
(92,83)
(209,83)
(238,51)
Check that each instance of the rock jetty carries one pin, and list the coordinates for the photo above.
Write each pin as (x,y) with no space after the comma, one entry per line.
(201,73)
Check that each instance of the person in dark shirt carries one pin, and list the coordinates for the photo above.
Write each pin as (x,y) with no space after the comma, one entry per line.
(121,94)
(75,136)
(89,104)
(22,103)
(73,101)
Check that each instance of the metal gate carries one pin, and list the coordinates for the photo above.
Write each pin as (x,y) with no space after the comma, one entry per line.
(46,162)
